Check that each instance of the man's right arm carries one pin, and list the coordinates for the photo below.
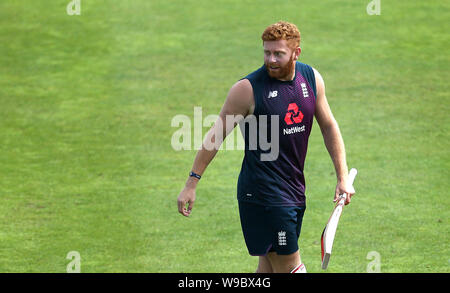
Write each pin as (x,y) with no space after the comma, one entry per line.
(239,103)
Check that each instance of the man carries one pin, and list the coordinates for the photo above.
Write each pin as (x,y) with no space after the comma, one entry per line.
(271,192)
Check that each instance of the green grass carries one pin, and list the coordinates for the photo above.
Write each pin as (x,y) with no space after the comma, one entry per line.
(86,162)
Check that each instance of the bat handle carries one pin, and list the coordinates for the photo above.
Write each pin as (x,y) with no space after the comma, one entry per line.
(351,179)
(351,176)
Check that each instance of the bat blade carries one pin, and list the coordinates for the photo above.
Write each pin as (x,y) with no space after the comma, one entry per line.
(329,232)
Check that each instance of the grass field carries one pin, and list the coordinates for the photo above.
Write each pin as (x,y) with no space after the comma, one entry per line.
(86,103)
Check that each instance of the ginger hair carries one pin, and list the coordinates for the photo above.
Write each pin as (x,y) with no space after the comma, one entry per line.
(282,30)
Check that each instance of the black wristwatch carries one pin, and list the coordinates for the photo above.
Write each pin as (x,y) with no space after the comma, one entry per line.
(192,174)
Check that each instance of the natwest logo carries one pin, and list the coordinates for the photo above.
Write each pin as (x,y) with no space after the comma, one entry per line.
(293,115)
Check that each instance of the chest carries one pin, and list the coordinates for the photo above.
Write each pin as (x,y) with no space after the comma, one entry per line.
(293,102)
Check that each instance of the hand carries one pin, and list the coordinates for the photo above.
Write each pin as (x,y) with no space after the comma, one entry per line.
(341,188)
(186,197)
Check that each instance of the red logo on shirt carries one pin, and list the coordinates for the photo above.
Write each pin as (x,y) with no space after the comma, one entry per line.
(293,115)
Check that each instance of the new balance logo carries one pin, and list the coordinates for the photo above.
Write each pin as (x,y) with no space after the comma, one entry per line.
(282,238)
(272,94)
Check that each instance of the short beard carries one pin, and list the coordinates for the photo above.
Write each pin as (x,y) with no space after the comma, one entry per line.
(285,71)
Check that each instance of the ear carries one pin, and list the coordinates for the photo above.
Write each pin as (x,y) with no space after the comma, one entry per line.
(297,52)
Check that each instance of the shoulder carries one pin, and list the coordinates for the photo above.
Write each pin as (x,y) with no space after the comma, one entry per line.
(257,76)
(239,99)
(242,88)
(304,68)
(320,84)
(310,74)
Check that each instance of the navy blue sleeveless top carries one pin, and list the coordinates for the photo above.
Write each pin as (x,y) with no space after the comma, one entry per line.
(277,179)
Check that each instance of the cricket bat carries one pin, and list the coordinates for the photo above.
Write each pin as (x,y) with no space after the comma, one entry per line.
(330,229)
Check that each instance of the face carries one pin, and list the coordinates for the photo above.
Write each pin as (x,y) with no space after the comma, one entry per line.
(280,59)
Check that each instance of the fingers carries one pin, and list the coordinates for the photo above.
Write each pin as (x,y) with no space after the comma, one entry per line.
(336,196)
(348,199)
(190,206)
(185,207)
(181,205)
(350,192)
(182,208)
(343,188)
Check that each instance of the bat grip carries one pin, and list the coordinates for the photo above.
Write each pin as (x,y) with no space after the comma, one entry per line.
(351,179)
(351,176)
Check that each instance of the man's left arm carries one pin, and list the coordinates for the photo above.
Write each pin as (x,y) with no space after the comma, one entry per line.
(333,139)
